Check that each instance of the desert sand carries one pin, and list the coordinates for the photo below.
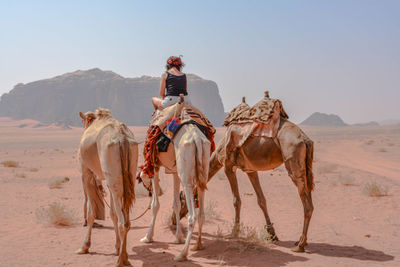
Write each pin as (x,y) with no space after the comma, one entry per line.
(348,228)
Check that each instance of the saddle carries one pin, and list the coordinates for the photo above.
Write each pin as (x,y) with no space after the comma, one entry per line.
(159,134)
(261,120)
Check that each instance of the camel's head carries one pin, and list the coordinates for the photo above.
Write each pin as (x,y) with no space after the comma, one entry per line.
(87,118)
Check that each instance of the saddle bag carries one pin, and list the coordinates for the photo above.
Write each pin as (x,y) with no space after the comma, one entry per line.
(163,143)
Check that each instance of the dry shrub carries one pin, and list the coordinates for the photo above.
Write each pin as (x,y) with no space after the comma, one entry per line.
(325,167)
(56,214)
(58,182)
(219,233)
(33,169)
(382,150)
(251,235)
(10,164)
(375,190)
(210,211)
(369,142)
(390,144)
(20,175)
(347,181)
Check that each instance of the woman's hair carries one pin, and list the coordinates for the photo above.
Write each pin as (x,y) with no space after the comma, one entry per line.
(174,62)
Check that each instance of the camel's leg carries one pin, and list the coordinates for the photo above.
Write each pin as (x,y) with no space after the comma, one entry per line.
(86,243)
(237,203)
(155,206)
(255,182)
(177,208)
(191,220)
(201,219)
(297,172)
(85,209)
(114,218)
(86,176)
(123,225)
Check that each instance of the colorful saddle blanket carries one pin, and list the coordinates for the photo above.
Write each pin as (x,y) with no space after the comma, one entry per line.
(186,114)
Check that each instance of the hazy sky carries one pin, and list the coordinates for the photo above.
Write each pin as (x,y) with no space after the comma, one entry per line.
(340,57)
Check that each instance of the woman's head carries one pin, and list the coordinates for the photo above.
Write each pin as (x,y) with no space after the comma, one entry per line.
(174,62)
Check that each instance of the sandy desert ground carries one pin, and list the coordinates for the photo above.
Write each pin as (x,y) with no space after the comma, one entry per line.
(348,228)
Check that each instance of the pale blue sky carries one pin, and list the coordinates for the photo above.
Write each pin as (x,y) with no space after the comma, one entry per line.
(339,57)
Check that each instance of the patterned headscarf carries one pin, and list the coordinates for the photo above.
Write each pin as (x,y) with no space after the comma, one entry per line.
(174,61)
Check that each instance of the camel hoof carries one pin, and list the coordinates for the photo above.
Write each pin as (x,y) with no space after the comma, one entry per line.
(127,263)
(123,263)
(84,224)
(197,247)
(180,258)
(297,243)
(298,249)
(82,251)
(273,239)
(146,240)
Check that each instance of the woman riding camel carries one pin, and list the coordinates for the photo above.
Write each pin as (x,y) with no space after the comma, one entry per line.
(173,82)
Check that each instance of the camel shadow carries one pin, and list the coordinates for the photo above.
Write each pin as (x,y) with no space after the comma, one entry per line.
(155,253)
(353,252)
(234,252)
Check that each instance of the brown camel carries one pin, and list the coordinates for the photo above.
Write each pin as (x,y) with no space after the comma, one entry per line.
(291,146)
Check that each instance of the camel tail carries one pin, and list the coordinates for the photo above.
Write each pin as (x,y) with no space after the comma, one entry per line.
(128,181)
(309,162)
(202,161)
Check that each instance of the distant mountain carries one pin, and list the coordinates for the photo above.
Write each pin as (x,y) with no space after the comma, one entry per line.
(59,99)
(371,123)
(322,119)
(389,122)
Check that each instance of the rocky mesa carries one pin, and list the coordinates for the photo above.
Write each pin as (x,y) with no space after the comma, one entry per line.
(59,99)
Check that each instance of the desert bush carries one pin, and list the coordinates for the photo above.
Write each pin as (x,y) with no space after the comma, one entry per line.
(20,175)
(382,150)
(57,182)
(347,181)
(369,142)
(33,169)
(219,233)
(251,234)
(375,190)
(210,211)
(56,214)
(10,164)
(325,167)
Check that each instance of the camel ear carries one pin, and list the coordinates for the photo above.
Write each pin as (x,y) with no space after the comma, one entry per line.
(82,115)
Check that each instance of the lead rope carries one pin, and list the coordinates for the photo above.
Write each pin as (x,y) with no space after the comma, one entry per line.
(148,208)
(138,217)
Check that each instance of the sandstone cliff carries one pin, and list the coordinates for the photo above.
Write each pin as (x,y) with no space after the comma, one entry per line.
(59,99)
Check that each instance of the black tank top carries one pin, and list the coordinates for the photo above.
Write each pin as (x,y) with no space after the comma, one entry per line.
(175,85)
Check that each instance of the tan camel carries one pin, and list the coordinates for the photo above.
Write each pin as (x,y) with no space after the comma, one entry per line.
(187,159)
(291,146)
(109,152)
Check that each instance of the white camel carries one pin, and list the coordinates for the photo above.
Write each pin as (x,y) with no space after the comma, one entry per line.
(190,150)
(109,152)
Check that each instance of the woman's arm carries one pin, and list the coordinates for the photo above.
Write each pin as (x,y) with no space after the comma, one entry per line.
(163,84)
